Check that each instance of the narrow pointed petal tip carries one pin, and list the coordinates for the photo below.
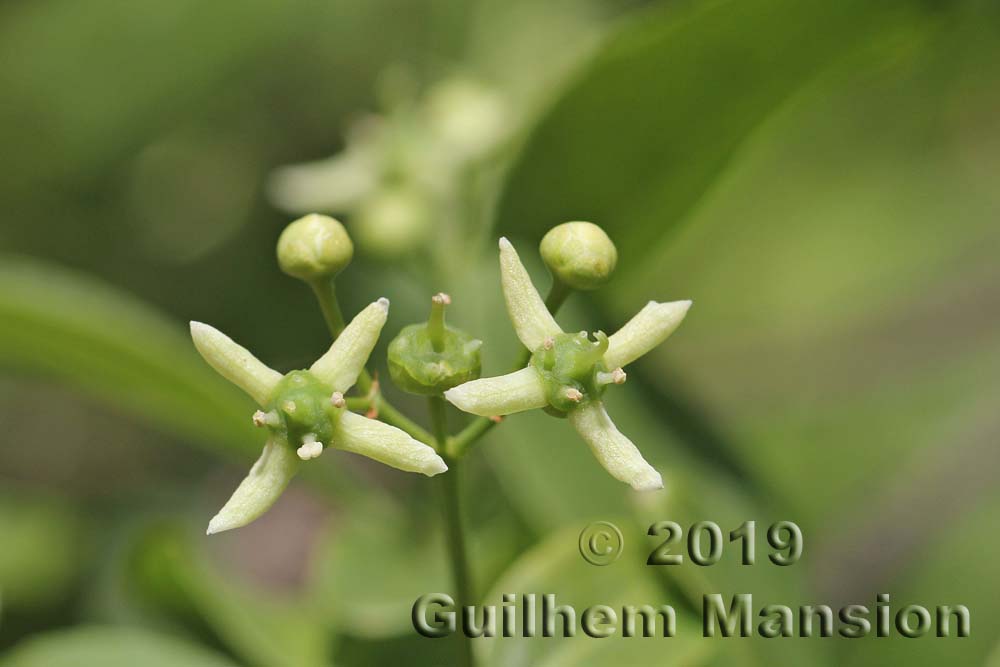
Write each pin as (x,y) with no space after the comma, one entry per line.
(259,490)
(650,327)
(342,363)
(650,481)
(498,396)
(386,444)
(234,362)
(532,321)
(613,450)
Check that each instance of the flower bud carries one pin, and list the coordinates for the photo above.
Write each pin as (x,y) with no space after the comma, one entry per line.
(432,357)
(579,254)
(393,222)
(314,247)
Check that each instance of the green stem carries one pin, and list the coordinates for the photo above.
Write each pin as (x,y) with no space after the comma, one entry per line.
(451,498)
(480,426)
(326,294)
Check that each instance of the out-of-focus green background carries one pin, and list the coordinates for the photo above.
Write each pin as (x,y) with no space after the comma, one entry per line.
(821,177)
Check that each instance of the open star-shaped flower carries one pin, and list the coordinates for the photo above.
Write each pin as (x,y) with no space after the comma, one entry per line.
(568,373)
(305,411)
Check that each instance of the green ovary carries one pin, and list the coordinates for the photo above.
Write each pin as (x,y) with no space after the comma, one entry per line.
(571,362)
(302,402)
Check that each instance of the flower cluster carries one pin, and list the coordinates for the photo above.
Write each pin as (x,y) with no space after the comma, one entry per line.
(569,372)
(306,411)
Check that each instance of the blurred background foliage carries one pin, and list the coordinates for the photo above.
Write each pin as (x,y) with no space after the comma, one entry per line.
(819,177)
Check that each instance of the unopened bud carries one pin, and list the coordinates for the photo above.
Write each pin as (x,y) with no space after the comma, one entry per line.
(579,254)
(314,247)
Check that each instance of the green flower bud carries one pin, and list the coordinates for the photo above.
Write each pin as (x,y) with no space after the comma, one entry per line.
(393,222)
(314,247)
(579,254)
(432,357)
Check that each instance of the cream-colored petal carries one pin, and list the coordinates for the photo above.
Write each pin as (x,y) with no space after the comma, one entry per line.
(615,452)
(257,492)
(342,363)
(234,362)
(335,184)
(501,395)
(386,444)
(532,320)
(646,330)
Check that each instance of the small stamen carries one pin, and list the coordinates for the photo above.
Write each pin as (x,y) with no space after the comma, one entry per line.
(573,394)
(337,400)
(496,419)
(261,419)
(441,299)
(616,376)
(548,343)
(310,448)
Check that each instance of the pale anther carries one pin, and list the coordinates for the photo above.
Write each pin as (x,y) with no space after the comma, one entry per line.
(617,376)
(261,419)
(574,394)
(337,400)
(310,448)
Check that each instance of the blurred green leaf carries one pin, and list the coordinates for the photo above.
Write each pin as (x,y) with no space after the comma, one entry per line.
(264,630)
(99,339)
(651,123)
(378,558)
(109,647)
(44,550)
(555,566)
(370,568)
(108,84)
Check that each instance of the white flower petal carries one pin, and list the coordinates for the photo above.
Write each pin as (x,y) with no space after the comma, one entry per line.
(532,320)
(646,330)
(336,184)
(257,492)
(615,452)
(234,362)
(502,395)
(342,363)
(386,444)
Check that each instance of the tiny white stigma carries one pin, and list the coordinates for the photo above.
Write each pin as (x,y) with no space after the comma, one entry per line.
(310,448)
(261,419)
(441,299)
(337,400)
(288,406)
(617,376)
(582,334)
(573,394)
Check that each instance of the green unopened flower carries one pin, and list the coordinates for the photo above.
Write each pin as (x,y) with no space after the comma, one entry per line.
(568,373)
(305,411)
(314,247)
(579,254)
(432,357)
